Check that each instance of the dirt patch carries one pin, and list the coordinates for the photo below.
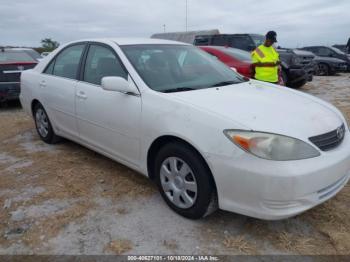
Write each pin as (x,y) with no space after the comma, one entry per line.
(119,246)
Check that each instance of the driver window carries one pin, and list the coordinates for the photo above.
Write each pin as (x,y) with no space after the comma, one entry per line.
(322,51)
(101,62)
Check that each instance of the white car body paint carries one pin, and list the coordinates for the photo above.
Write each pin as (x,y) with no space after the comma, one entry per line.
(123,127)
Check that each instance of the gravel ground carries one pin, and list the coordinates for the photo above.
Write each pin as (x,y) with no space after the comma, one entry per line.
(66,199)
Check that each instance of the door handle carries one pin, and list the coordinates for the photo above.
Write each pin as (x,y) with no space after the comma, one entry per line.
(81,95)
(42,84)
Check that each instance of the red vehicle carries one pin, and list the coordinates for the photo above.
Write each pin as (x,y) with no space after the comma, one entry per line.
(233,57)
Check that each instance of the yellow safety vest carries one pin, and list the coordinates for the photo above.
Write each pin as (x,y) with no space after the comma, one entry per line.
(265,54)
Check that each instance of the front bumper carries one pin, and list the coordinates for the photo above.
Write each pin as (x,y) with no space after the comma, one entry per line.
(297,76)
(341,67)
(274,190)
(9,91)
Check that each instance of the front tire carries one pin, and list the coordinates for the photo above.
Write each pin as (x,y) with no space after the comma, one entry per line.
(323,70)
(185,181)
(43,125)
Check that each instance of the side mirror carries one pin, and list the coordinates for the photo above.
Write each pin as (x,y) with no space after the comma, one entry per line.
(118,84)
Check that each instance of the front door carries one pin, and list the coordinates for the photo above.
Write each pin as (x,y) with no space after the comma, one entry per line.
(107,120)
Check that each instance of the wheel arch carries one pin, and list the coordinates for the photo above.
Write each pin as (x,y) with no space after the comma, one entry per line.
(160,142)
(33,104)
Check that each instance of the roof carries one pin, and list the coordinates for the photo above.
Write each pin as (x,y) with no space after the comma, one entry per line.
(129,41)
(142,41)
(185,37)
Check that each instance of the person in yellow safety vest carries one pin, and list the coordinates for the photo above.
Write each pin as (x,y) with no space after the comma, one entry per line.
(265,60)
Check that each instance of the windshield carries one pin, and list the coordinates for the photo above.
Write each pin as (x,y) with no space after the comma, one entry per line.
(168,68)
(337,50)
(15,56)
(258,39)
(236,53)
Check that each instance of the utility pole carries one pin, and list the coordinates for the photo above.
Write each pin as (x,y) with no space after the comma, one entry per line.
(164,27)
(186,15)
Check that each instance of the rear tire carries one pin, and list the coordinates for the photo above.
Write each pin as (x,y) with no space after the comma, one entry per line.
(43,125)
(185,181)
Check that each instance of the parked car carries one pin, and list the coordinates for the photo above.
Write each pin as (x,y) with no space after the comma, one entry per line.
(12,63)
(296,70)
(295,74)
(207,136)
(329,51)
(324,66)
(235,58)
(241,61)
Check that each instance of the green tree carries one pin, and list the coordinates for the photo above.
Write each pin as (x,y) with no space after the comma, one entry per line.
(49,45)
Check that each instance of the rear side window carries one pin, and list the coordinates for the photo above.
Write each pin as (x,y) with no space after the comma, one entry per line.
(202,40)
(66,64)
(100,62)
(242,42)
(323,51)
(220,41)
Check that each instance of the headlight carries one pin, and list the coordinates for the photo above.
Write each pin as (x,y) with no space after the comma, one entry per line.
(272,146)
(296,60)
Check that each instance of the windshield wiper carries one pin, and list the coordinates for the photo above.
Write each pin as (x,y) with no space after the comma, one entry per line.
(225,83)
(178,89)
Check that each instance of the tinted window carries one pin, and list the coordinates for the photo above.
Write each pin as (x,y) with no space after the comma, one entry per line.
(15,56)
(258,39)
(66,64)
(101,62)
(323,51)
(220,40)
(242,42)
(202,40)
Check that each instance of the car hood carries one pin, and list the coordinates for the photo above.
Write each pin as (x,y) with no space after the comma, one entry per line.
(329,59)
(265,107)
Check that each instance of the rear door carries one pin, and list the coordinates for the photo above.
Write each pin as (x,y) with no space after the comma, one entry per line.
(57,84)
(107,120)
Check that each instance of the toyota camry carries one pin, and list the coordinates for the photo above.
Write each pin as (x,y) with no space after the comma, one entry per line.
(207,136)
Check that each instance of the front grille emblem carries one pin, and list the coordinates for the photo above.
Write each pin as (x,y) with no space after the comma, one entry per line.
(340,132)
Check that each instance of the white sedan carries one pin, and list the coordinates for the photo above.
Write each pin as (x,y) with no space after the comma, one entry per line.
(207,136)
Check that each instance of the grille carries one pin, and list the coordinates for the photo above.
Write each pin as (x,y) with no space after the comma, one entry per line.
(329,140)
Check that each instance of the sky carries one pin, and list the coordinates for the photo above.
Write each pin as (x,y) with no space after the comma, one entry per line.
(297,22)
